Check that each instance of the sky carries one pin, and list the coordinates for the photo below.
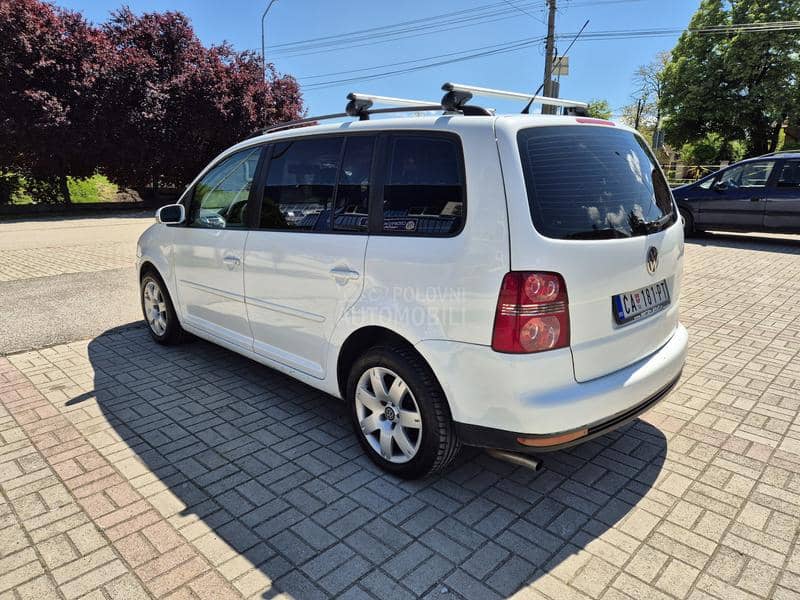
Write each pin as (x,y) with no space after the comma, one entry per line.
(599,69)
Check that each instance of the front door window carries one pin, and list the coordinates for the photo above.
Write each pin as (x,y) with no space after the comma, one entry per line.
(220,197)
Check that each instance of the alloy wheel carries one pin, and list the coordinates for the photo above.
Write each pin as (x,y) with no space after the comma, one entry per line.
(155,308)
(388,415)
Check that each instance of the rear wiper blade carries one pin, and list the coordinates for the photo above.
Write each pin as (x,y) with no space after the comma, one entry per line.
(653,226)
(598,234)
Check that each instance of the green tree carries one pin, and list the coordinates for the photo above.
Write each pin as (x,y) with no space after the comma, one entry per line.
(738,84)
(599,109)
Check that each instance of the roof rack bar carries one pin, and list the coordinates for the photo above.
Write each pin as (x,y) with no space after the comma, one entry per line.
(354,96)
(482,91)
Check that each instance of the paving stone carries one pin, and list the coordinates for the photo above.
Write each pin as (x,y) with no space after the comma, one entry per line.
(184,474)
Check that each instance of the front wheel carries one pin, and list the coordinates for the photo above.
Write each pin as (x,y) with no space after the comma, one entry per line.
(400,414)
(158,310)
(688,223)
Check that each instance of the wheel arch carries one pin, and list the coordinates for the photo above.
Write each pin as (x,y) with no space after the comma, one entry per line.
(359,341)
(148,266)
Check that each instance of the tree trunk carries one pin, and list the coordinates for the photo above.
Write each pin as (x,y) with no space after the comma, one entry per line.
(656,131)
(64,189)
(776,134)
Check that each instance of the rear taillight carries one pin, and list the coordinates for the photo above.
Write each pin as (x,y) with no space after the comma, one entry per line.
(532,313)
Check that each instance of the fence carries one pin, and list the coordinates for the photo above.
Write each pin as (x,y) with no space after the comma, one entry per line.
(679,174)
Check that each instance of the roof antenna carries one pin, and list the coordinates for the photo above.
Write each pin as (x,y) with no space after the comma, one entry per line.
(527,108)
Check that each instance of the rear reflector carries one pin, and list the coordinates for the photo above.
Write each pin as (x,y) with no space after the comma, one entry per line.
(532,313)
(555,440)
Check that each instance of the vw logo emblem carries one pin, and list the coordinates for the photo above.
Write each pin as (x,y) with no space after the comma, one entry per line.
(652,259)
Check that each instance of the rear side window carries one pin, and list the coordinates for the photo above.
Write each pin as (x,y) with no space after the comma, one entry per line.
(587,182)
(300,185)
(749,175)
(790,175)
(423,191)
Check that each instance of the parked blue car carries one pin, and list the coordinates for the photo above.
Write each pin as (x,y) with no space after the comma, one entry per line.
(757,194)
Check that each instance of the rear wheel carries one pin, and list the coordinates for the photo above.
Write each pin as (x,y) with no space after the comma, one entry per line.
(158,310)
(400,414)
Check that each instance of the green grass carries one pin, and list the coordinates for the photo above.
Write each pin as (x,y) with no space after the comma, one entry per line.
(83,191)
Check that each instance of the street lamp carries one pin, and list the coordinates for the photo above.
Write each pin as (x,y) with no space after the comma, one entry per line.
(263,46)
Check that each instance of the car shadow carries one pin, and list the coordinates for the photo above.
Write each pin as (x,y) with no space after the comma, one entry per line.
(273,468)
(784,243)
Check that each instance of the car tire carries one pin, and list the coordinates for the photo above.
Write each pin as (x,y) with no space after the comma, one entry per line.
(688,223)
(158,310)
(399,413)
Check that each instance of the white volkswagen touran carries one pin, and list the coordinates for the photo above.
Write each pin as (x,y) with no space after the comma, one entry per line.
(508,282)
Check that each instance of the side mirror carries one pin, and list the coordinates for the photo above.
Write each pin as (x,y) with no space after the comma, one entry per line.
(720,186)
(171,214)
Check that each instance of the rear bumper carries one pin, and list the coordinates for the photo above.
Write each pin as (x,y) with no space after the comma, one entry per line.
(487,437)
(496,398)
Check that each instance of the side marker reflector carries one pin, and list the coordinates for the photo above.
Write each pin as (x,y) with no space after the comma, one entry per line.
(554,440)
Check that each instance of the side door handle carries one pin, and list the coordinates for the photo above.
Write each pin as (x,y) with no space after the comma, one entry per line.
(231,260)
(344,274)
(756,199)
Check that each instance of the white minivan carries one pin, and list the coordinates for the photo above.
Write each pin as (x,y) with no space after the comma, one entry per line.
(509,282)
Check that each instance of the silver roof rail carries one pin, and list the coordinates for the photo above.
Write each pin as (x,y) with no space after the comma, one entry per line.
(474,90)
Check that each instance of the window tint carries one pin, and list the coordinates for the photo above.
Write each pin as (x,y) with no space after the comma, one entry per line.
(790,175)
(220,197)
(592,182)
(731,177)
(749,175)
(352,193)
(757,174)
(424,192)
(300,184)
(706,185)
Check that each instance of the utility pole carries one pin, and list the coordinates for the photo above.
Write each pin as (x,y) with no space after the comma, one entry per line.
(549,57)
(263,39)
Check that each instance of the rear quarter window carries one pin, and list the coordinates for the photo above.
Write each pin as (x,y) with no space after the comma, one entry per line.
(423,193)
(586,182)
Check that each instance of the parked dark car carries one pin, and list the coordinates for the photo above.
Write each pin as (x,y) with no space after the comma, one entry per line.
(758,194)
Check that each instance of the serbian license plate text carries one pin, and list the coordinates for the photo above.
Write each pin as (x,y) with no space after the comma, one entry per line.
(641,303)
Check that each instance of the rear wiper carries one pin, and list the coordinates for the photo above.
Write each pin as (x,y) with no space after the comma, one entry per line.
(598,234)
(657,225)
(638,225)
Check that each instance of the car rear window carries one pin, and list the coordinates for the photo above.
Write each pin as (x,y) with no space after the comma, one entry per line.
(592,182)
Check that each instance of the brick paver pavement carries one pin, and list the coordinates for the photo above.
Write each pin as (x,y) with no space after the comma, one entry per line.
(46,247)
(128,469)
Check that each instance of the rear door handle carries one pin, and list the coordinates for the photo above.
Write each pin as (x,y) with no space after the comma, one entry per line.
(340,273)
(231,260)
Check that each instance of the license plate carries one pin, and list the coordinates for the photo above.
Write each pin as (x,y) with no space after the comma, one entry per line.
(641,303)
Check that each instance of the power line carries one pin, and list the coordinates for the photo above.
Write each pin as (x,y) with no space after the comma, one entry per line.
(399,30)
(415,28)
(516,45)
(505,48)
(417,60)
(393,25)
(523,11)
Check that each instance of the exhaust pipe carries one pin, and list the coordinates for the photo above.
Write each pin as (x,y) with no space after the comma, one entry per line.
(515,458)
